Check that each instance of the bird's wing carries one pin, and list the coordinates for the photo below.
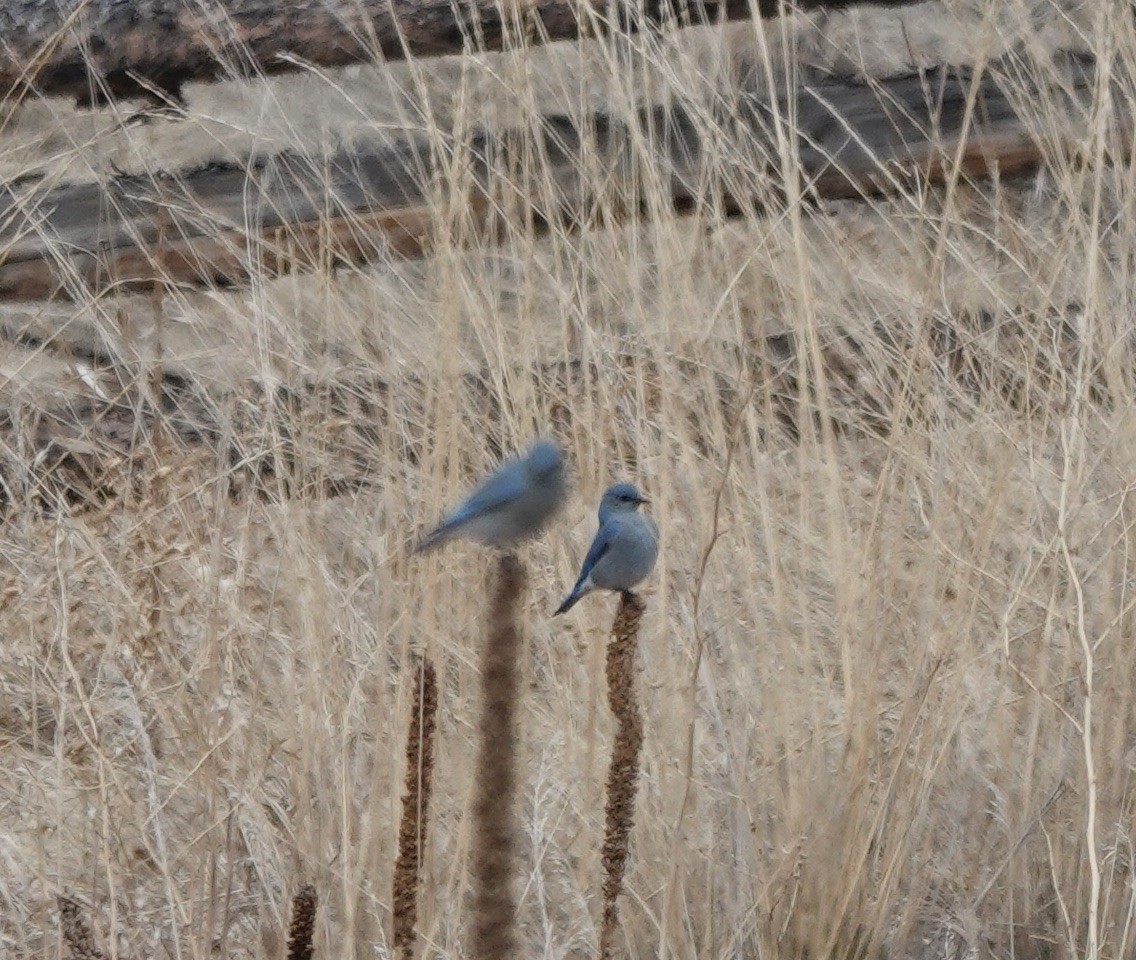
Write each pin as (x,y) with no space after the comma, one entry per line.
(501,489)
(605,537)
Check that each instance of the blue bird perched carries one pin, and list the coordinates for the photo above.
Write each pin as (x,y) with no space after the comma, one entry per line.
(624,550)
(510,505)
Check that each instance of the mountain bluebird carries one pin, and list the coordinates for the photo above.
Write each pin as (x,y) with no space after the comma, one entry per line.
(509,506)
(624,550)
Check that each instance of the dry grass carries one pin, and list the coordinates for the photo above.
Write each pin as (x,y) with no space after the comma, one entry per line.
(887,668)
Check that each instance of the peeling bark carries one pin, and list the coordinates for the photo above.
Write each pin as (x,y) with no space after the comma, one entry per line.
(111,49)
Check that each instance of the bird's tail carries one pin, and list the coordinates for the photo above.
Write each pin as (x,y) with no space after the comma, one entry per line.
(569,602)
(435,538)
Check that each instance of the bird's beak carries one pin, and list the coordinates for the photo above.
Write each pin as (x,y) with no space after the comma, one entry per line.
(642,499)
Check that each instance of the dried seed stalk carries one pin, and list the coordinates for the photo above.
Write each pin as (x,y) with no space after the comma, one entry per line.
(76,933)
(623,774)
(495,829)
(415,808)
(303,926)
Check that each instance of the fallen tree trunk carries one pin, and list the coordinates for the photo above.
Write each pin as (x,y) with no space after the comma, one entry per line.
(218,225)
(104,49)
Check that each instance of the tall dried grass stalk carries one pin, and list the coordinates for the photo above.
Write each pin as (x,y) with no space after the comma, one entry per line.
(76,933)
(415,807)
(494,818)
(303,927)
(623,774)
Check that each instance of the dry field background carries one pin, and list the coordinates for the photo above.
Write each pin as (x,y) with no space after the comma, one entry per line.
(888,662)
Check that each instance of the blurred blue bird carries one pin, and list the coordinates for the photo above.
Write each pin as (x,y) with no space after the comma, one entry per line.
(624,550)
(511,505)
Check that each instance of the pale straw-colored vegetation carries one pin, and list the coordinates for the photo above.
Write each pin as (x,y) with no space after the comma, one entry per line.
(888,663)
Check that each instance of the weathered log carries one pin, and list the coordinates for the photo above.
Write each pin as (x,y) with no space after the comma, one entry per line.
(104,49)
(217,225)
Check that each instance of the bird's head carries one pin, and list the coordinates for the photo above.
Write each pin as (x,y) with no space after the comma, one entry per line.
(545,460)
(620,498)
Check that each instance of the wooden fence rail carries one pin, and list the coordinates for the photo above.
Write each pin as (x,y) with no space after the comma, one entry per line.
(218,225)
(102,49)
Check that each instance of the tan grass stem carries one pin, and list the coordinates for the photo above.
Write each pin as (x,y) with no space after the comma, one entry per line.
(494,816)
(303,926)
(415,808)
(623,774)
